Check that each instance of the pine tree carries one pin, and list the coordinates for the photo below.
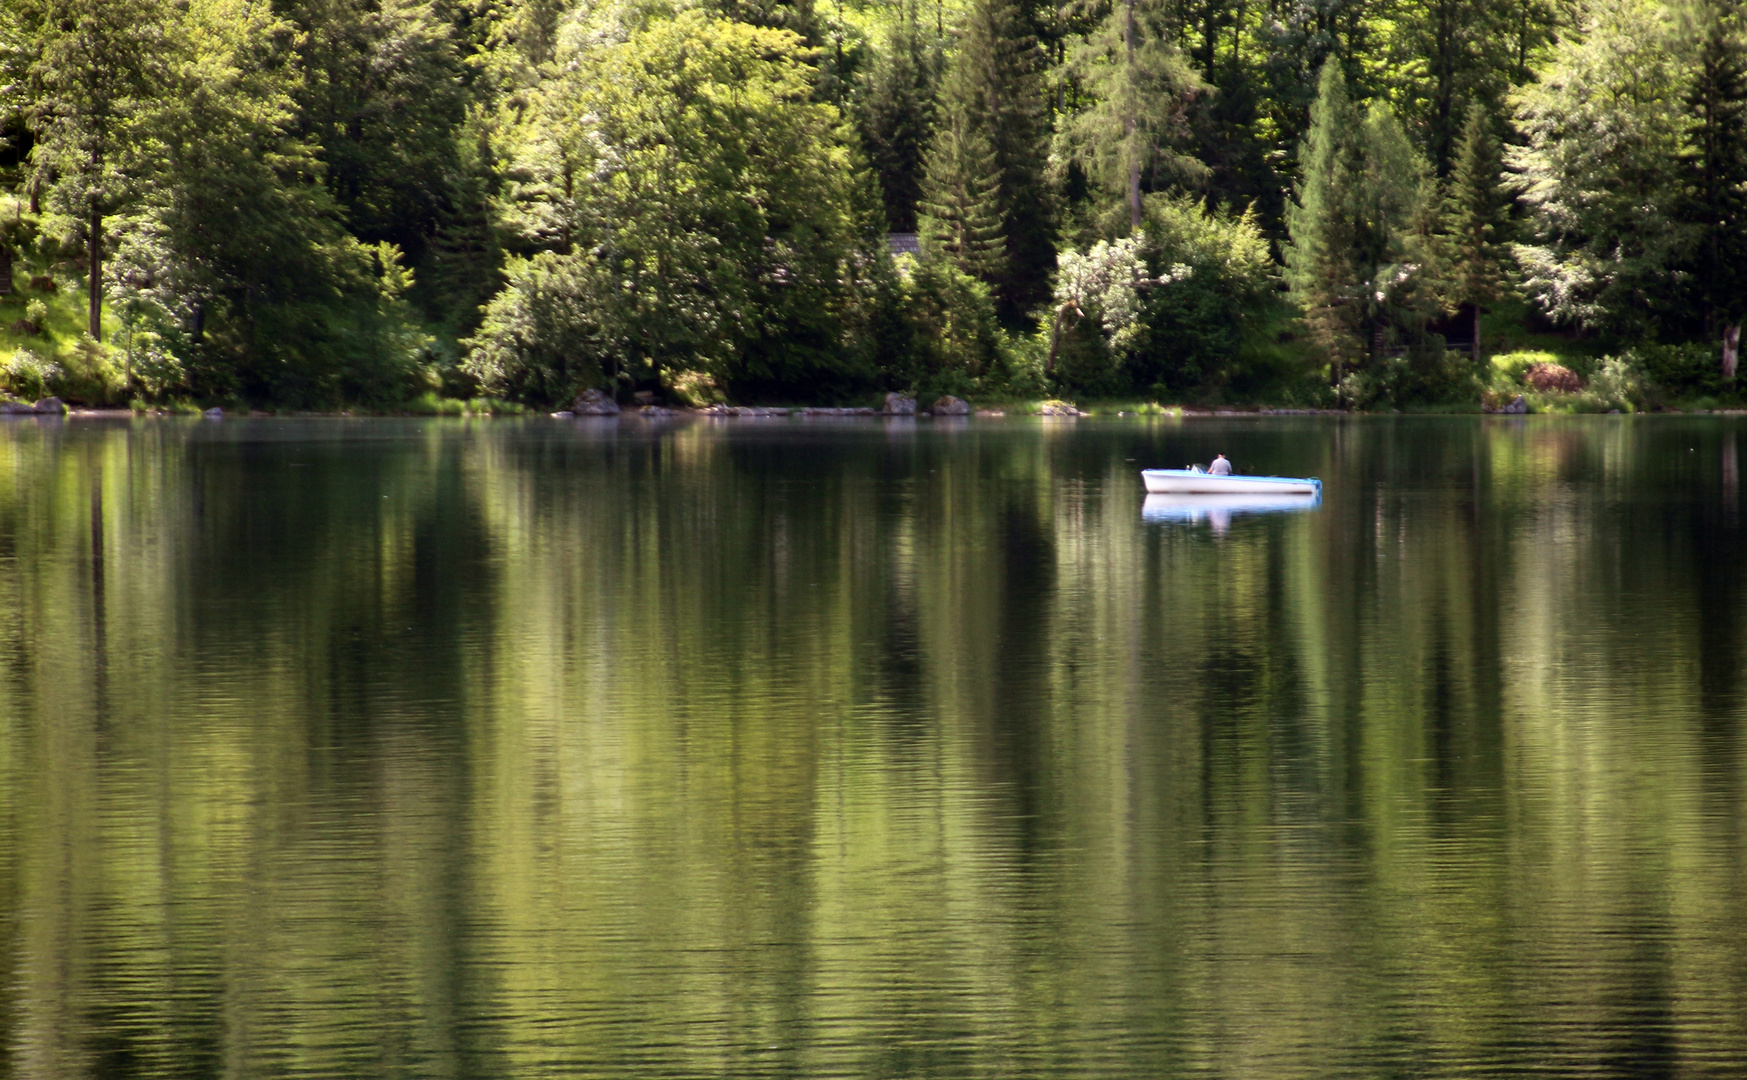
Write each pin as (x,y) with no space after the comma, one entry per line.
(1141,87)
(995,87)
(1477,218)
(1717,150)
(960,207)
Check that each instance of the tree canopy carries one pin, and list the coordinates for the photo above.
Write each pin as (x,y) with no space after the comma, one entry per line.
(320,203)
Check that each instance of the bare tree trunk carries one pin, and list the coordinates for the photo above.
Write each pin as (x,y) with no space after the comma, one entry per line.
(1055,338)
(1128,127)
(5,269)
(1731,349)
(1476,335)
(95,283)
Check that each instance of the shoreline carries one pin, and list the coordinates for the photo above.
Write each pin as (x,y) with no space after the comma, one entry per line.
(769,413)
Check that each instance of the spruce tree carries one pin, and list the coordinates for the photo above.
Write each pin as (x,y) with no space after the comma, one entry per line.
(1321,259)
(960,207)
(1358,263)
(1717,150)
(895,113)
(995,87)
(1477,218)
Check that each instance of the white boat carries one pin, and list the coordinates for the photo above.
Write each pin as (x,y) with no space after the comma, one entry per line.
(1196,482)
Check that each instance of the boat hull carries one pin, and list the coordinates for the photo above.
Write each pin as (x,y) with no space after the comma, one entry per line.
(1221,509)
(1187,482)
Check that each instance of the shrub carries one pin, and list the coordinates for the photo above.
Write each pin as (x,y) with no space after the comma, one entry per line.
(1418,379)
(89,374)
(1619,383)
(1552,378)
(1691,369)
(28,375)
(957,341)
(152,367)
(1191,331)
(1510,370)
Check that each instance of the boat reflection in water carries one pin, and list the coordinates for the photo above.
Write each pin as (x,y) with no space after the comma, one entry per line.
(1218,510)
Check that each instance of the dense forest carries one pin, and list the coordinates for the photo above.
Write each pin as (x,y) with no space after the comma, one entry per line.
(412,203)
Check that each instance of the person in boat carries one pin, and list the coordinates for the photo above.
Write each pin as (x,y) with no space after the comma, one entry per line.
(1220,466)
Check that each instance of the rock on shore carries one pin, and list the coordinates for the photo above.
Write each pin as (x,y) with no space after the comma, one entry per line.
(594,403)
(947,405)
(899,405)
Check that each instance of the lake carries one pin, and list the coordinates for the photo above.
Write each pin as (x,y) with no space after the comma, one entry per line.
(888,749)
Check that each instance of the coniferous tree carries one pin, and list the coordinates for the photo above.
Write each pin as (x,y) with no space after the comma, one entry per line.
(895,113)
(1358,262)
(1477,217)
(1717,149)
(996,86)
(1141,87)
(960,207)
(1321,260)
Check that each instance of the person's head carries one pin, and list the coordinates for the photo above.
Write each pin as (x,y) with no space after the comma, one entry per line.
(1217,457)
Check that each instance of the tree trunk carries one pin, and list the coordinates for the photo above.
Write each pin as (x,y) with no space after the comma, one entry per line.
(95,283)
(5,269)
(1731,349)
(1128,127)
(1476,335)
(1055,339)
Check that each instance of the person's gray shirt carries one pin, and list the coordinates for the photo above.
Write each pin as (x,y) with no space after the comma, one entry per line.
(1220,467)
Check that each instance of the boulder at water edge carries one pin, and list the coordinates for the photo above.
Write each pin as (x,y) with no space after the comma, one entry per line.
(1517,407)
(594,403)
(900,405)
(948,405)
(1057,408)
(12,407)
(52,405)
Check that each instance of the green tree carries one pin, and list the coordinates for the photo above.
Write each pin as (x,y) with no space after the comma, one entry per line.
(1442,53)
(235,252)
(1356,263)
(1323,264)
(961,210)
(98,74)
(1141,88)
(1477,217)
(895,114)
(1192,334)
(1605,127)
(716,229)
(1717,151)
(995,88)
(382,94)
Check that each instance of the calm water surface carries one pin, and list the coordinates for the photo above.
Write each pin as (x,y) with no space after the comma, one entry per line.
(865,749)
